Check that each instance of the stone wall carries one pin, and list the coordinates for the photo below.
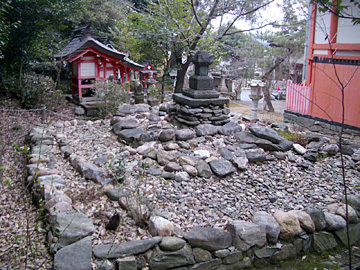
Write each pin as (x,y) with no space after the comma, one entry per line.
(267,239)
(211,114)
(315,124)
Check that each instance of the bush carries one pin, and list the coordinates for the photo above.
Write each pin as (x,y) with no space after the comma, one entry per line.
(111,95)
(40,90)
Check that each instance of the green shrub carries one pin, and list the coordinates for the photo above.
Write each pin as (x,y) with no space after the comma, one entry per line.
(111,95)
(39,90)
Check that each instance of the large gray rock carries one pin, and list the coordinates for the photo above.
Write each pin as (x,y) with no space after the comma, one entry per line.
(162,260)
(201,255)
(172,243)
(354,232)
(265,133)
(354,202)
(351,213)
(246,234)
(86,169)
(125,124)
(203,169)
(255,155)
(230,128)
(268,224)
(76,256)
(286,252)
(323,241)
(334,222)
(208,238)
(70,227)
(225,153)
(206,130)
(164,157)
(185,134)
(117,250)
(240,162)
(318,217)
(127,263)
(222,167)
(135,137)
(166,135)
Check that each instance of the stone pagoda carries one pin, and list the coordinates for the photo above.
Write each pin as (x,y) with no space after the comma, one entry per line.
(200,104)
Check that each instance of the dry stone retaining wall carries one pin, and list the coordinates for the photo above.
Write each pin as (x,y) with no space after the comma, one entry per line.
(241,244)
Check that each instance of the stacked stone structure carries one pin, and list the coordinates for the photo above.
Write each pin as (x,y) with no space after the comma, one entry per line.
(200,104)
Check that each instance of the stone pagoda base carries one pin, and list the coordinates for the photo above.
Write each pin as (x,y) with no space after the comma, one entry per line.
(193,112)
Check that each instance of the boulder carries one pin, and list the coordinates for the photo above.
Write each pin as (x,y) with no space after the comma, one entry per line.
(76,256)
(172,167)
(255,155)
(203,169)
(117,250)
(125,124)
(172,243)
(208,238)
(323,241)
(354,232)
(164,157)
(230,128)
(240,162)
(135,137)
(289,225)
(185,134)
(352,215)
(222,167)
(334,222)
(268,224)
(246,234)
(161,260)
(206,130)
(167,135)
(70,227)
(225,153)
(265,133)
(201,255)
(305,220)
(318,218)
(159,226)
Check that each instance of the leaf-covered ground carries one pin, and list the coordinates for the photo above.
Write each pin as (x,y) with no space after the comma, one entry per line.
(22,234)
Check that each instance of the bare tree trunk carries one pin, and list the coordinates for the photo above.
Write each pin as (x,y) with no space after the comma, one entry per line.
(181,76)
(267,98)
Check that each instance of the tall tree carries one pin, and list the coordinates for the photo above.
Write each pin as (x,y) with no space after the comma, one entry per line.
(31,24)
(185,26)
(285,44)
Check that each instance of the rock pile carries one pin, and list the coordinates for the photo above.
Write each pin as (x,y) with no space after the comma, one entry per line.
(212,114)
(208,214)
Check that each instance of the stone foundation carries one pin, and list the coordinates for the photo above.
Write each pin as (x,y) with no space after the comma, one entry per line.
(316,124)
(217,115)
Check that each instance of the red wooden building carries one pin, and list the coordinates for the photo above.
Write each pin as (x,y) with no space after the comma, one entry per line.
(94,59)
(333,64)
(145,72)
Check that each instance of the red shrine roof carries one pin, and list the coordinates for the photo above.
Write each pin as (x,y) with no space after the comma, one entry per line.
(84,40)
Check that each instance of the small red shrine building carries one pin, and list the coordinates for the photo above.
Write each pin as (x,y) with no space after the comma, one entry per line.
(93,59)
(145,72)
